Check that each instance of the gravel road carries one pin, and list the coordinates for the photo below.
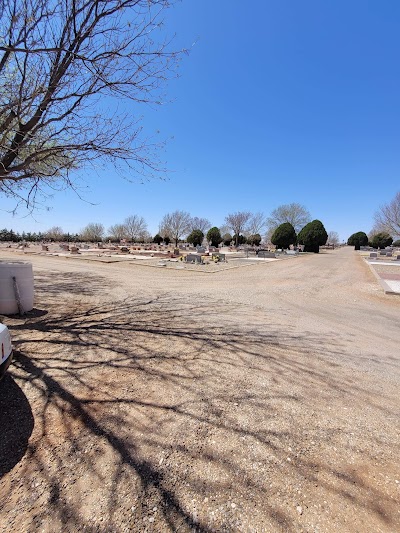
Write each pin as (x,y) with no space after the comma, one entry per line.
(258,399)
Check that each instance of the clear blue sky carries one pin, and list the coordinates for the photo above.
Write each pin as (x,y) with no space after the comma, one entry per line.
(279,101)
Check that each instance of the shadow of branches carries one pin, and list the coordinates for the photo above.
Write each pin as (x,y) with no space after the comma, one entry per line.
(167,415)
(14,411)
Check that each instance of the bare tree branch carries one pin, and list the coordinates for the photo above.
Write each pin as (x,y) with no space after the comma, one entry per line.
(238,223)
(297,215)
(388,217)
(64,65)
(201,224)
(135,227)
(175,225)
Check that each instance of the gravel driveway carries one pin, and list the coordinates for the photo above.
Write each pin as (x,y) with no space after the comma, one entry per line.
(257,399)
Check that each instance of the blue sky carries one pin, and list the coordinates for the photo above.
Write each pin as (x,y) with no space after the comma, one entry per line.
(279,101)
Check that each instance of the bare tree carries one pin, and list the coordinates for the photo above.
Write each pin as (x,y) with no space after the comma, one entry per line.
(62,66)
(55,233)
(201,224)
(93,232)
(175,225)
(117,232)
(237,222)
(333,238)
(224,229)
(136,228)
(146,237)
(297,215)
(256,224)
(387,219)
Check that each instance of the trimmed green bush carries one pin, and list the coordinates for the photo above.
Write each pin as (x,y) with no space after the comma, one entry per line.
(214,235)
(240,240)
(284,236)
(312,236)
(227,239)
(357,240)
(157,238)
(254,240)
(196,237)
(381,240)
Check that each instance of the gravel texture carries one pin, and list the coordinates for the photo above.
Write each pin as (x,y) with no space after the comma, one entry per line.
(255,399)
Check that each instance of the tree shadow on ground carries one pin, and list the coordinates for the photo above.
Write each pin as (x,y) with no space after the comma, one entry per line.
(163,415)
(16,424)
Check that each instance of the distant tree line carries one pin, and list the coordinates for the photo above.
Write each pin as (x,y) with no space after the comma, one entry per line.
(288,224)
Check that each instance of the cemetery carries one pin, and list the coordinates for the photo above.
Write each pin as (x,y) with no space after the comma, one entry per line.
(143,385)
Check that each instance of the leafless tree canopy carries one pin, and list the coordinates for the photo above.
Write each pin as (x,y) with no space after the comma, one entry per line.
(201,224)
(135,228)
(117,232)
(64,67)
(256,224)
(175,225)
(93,232)
(55,233)
(294,213)
(238,222)
(333,237)
(387,219)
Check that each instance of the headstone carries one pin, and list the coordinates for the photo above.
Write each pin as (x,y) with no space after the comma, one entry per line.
(201,250)
(193,258)
(176,251)
(398,258)
(373,254)
(265,254)
(292,252)
(382,252)
(389,254)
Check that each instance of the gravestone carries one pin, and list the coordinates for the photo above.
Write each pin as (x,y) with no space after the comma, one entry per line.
(373,254)
(265,254)
(193,258)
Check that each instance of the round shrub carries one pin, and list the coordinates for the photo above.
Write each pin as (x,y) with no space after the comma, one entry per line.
(357,240)
(284,236)
(312,236)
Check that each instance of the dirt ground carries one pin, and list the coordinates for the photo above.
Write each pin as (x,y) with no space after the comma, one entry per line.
(256,399)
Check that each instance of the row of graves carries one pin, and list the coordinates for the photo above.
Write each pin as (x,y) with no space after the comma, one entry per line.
(389,253)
